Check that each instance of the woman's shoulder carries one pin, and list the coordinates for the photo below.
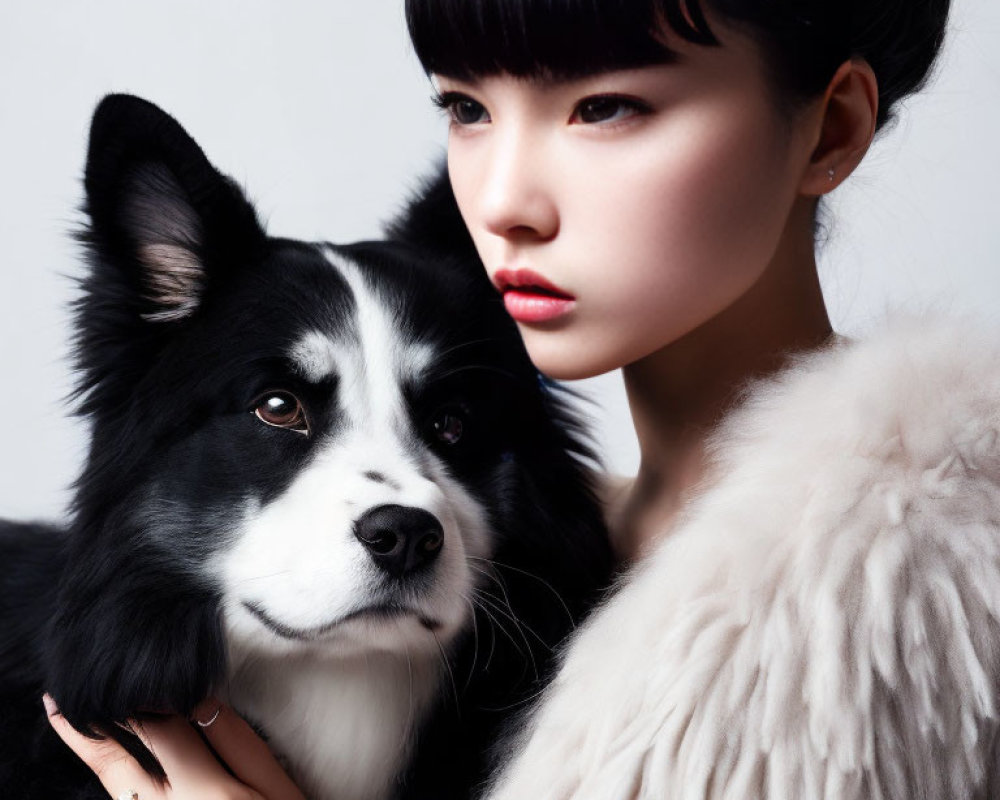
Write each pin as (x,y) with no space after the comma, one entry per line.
(824,623)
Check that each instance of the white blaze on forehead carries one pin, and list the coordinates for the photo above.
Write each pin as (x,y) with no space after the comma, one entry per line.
(371,363)
(316,356)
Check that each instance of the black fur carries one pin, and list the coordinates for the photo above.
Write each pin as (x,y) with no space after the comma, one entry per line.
(109,613)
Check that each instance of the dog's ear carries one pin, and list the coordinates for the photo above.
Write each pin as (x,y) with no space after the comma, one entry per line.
(432,222)
(164,227)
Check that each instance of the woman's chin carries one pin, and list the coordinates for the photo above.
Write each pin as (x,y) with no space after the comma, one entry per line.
(570,360)
(572,355)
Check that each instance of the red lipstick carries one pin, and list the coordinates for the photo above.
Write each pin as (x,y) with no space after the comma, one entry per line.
(528,297)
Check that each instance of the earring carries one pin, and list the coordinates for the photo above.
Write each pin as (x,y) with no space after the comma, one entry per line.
(831,174)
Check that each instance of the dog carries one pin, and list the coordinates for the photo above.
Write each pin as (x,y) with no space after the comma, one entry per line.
(324,482)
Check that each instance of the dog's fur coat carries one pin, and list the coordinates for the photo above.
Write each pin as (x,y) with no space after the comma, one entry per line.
(823,623)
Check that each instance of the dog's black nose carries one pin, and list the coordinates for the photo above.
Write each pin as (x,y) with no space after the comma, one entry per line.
(400,539)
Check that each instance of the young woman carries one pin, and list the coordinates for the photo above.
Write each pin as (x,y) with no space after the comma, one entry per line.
(813,610)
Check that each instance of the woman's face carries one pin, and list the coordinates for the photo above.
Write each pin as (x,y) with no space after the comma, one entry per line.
(621,211)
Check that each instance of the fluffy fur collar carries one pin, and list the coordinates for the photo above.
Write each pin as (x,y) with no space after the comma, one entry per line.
(824,622)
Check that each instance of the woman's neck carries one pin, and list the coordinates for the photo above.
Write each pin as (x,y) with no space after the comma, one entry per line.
(678,395)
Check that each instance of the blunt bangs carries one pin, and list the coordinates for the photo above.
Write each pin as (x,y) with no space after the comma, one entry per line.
(558,39)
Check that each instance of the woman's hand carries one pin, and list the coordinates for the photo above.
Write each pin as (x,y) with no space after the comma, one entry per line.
(193,772)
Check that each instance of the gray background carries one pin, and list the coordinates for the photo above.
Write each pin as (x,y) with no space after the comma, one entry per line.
(321,111)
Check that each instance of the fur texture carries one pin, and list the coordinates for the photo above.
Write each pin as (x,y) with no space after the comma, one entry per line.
(324,482)
(824,623)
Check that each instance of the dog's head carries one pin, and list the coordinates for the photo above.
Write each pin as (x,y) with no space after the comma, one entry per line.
(296,448)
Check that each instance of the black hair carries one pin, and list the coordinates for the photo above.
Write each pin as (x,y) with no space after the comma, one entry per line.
(805,41)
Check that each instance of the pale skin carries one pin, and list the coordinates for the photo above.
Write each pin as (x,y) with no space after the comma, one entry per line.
(676,204)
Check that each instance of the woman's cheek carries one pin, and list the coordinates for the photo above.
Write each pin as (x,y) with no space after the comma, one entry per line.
(689,241)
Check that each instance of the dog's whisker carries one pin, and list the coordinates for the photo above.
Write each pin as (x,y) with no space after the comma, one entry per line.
(470,343)
(251,578)
(520,627)
(489,574)
(492,629)
(498,579)
(475,640)
(491,611)
(408,727)
(521,703)
(451,675)
(484,368)
(510,613)
(500,565)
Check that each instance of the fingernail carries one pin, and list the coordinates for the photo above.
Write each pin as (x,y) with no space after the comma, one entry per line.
(50,705)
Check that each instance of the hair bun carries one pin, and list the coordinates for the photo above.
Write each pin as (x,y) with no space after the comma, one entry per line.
(900,39)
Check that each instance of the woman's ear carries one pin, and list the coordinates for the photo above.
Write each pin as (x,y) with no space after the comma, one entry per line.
(847,125)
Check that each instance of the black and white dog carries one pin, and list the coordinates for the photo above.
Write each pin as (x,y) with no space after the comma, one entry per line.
(324,482)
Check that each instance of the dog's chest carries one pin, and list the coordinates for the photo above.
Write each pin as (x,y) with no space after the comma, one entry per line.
(343,728)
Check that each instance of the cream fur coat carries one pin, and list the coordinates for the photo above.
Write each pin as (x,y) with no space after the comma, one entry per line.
(825,621)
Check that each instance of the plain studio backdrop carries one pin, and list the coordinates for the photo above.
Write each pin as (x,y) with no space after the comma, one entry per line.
(321,111)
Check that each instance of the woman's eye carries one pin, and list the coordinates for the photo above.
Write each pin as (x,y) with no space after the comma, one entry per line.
(448,427)
(462,109)
(607,108)
(282,410)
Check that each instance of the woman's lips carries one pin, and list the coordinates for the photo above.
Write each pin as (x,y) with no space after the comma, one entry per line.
(528,297)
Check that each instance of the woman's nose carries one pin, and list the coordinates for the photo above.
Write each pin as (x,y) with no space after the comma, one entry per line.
(517,198)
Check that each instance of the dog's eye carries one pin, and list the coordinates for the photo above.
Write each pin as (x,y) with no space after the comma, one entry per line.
(448,427)
(282,410)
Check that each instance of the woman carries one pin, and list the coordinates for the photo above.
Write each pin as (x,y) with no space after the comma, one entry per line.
(813,611)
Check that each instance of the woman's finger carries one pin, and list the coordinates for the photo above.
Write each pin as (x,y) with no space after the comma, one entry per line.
(117,771)
(193,773)
(245,752)
(192,769)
